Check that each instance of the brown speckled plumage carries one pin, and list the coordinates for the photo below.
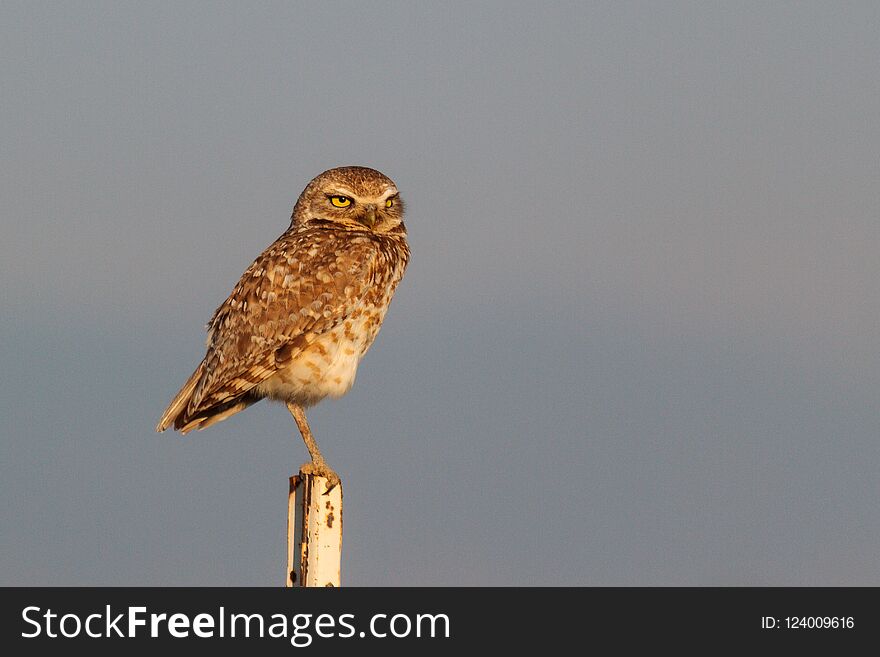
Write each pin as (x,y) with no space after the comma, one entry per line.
(304,313)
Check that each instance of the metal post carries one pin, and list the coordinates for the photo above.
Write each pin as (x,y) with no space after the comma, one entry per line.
(314,532)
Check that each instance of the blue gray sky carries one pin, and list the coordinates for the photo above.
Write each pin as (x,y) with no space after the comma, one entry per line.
(637,344)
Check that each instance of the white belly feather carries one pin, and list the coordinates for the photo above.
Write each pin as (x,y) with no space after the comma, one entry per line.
(326,368)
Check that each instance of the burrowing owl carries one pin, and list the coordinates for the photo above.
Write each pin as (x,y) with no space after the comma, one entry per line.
(304,313)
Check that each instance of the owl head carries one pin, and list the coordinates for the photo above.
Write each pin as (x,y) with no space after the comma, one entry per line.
(350,198)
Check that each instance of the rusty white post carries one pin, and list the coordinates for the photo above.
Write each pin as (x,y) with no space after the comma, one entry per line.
(314,532)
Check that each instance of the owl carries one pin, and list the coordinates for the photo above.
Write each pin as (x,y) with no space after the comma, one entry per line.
(302,316)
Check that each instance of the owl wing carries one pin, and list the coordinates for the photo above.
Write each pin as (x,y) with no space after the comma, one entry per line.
(300,287)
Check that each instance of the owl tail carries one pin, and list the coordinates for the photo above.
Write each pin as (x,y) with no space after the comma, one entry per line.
(184,419)
(177,408)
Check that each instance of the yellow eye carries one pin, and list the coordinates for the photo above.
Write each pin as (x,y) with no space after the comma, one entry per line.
(340,201)
(389,203)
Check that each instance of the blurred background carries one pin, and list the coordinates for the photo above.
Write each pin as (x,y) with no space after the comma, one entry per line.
(637,344)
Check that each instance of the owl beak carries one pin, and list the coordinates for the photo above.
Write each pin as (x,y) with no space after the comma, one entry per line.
(369,218)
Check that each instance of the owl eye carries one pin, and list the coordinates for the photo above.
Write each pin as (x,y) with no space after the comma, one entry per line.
(389,203)
(340,201)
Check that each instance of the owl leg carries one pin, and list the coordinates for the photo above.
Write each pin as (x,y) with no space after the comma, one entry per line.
(318,466)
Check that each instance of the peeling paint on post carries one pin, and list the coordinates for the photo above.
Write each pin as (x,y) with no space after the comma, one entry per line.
(314,532)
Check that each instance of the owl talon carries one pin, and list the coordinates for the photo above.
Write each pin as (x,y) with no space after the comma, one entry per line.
(321,470)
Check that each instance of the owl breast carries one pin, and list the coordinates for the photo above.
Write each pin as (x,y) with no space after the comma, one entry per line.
(327,366)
